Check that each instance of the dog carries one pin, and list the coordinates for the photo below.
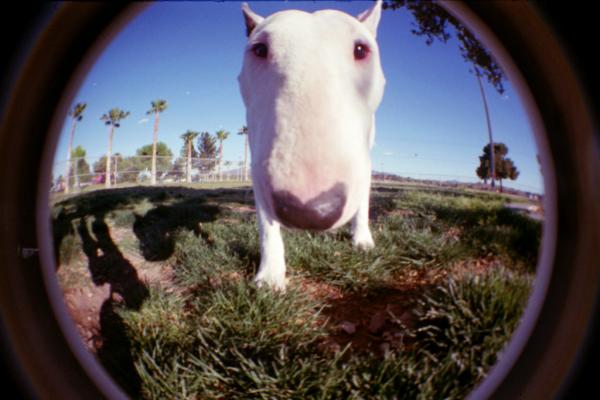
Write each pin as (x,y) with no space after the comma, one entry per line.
(311,83)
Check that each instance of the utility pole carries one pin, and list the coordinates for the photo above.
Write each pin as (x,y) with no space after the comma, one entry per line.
(70,149)
(489,127)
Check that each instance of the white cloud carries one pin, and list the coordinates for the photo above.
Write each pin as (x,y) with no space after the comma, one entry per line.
(388,153)
(143,121)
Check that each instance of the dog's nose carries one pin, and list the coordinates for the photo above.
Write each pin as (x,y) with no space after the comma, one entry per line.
(319,213)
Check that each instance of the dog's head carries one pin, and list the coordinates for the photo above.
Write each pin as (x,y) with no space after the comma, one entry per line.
(311,84)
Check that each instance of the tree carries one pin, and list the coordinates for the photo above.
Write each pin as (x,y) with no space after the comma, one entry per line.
(507,170)
(76,115)
(505,167)
(129,168)
(188,138)
(159,156)
(158,107)
(126,168)
(207,150)
(221,136)
(244,132)
(80,170)
(113,120)
(433,22)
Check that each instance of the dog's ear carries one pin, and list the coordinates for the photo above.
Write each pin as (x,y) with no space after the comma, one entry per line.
(370,18)
(251,18)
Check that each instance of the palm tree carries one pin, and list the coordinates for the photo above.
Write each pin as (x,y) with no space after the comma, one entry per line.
(221,136)
(76,115)
(113,120)
(244,132)
(188,138)
(158,106)
(227,164)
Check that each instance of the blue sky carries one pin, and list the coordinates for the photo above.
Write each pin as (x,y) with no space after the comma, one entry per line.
(431,123)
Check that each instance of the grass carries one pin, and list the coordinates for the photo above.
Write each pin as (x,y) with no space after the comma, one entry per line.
(237,342)
(423,315)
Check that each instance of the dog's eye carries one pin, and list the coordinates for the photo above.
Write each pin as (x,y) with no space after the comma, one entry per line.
(361,51)
(260,50)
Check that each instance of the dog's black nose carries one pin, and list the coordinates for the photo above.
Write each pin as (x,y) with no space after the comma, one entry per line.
(319,213)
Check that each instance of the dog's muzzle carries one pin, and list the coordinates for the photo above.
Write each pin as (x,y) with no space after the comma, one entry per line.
(319,213)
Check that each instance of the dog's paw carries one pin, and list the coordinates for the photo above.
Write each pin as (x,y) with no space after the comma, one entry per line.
(363,241)
(273,281)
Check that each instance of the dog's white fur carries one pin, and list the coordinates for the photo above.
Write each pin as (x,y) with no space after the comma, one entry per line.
(310,115)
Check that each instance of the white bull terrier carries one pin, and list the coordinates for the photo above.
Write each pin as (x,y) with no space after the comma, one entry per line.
(311,84)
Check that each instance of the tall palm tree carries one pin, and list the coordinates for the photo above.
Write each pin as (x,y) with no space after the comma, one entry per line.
(244,132)
(113,120)
(76,115)
(158,106)
(221,136)
(188,138)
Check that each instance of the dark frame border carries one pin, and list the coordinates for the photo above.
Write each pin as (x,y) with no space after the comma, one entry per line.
(51,366)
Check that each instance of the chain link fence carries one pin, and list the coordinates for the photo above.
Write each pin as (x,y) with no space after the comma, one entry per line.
(86,172)
(91,171)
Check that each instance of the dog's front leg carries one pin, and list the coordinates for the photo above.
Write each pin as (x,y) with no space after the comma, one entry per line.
(272,260)
(361,234)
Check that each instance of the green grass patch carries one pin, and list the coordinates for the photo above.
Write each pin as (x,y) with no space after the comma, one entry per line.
(239,342)
(464,326)
(461,262)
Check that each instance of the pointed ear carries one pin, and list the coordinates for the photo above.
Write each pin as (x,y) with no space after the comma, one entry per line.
(251,18)
(370,18)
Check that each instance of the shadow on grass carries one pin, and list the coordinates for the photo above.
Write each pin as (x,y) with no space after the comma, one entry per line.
(380,321)
(85,216)
(497,230)
(248,254)
(107,265)
(101,202)
(156,229)
(173,208)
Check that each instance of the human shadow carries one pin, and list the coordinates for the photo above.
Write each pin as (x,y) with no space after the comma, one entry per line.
(61,228)
(67,212)
(107,265)
(173,208)
(86,216)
